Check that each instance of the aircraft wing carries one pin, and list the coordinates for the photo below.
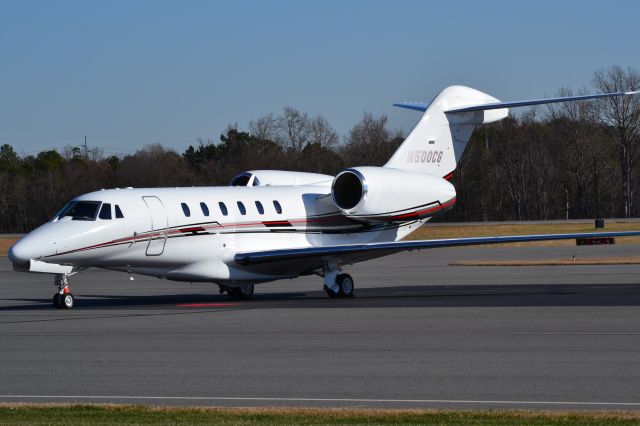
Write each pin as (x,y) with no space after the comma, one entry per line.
(307,259)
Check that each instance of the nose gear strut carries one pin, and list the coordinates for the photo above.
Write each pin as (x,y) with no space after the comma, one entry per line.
(63,299)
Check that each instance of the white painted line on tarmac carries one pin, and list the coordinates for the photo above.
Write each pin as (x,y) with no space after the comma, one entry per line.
(360,400)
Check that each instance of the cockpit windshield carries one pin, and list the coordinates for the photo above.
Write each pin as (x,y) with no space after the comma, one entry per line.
(80,210)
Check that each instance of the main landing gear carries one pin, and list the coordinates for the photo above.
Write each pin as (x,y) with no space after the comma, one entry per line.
(344,282)
(63,299)
(244,292)
(337,284)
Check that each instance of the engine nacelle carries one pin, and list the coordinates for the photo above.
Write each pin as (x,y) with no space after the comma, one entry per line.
(379,194)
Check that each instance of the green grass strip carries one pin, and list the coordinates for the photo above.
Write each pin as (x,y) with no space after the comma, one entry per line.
(94,414)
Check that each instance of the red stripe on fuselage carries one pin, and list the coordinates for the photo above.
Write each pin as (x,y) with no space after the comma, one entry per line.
(193,229)
(203,305)
(429,210)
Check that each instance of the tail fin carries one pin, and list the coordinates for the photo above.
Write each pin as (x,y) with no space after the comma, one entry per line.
(435,145)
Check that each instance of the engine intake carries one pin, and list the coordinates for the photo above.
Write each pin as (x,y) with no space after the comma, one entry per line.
(348,189)
(380,194)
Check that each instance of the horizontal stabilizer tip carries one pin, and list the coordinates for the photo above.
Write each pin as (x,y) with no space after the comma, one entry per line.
(416,106)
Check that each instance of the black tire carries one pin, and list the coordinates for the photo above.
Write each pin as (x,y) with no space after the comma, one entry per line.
(346,284)
(241,293)
(56,301)
(67,301)
(332,294)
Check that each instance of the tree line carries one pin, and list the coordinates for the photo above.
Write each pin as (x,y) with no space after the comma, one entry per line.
(570,160)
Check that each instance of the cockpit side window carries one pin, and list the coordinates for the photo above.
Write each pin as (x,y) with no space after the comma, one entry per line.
(119,214)
(105,211)
(80,210)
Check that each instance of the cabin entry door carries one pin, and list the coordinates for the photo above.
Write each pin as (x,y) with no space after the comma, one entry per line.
(159,225)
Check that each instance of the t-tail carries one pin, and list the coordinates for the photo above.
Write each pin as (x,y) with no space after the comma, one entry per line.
(437,142)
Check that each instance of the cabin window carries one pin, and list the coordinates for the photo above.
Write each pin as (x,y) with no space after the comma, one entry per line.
(223,208)
(259,207)
(205,209)
(105,211)
(119,214)
(242,209)
(80,210)
(185,209)
(277,206)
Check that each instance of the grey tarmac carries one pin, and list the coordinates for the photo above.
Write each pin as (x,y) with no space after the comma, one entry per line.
(418,334)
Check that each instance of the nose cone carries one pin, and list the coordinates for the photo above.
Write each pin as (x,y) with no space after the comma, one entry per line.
(22,251)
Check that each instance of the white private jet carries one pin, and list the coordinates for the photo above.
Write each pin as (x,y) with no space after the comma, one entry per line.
(269,225)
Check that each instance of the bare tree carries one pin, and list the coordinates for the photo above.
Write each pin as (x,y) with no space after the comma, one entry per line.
(370,142)
(576,135)
(621,115)
(323,133)
(154,165)
(294,129)
(264,128)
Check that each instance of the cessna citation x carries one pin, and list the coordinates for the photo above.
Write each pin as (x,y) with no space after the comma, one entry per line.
(270,225)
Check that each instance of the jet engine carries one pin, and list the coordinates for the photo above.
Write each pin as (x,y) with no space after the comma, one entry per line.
(379,194)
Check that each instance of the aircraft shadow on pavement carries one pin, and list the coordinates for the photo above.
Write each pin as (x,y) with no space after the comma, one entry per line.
(530,295)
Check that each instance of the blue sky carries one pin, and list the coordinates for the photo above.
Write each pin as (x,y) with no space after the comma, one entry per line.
(129,73)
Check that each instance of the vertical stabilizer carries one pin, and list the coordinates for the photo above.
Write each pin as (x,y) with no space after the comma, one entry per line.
(435,145)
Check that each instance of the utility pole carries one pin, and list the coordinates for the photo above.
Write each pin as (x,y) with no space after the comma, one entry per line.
(595,187)
(85,147)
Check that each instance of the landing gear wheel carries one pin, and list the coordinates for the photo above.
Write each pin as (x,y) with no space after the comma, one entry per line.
(63,299)
(67,301)
(57,301)
(345,282)
(345,287)
(332,294)
(241,293)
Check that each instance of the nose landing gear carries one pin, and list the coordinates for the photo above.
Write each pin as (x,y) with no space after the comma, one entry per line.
(63,299)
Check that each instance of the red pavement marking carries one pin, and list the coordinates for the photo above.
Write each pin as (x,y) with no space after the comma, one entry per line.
(202,305)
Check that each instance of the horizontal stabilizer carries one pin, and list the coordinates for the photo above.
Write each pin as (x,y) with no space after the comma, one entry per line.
(513,104)
(448,122)
(416,106)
